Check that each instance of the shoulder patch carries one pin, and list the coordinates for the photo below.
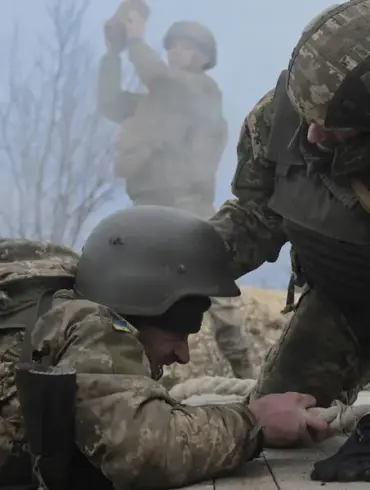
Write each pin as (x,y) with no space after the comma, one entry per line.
(121,326)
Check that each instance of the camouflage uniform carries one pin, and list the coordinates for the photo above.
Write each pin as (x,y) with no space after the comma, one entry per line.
(169,147)
(135,441)
(287,190)
(40,266)
(126,424)
(265,324)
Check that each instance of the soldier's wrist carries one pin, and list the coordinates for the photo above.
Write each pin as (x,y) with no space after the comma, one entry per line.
(114,52)
(134,41)
(255,438)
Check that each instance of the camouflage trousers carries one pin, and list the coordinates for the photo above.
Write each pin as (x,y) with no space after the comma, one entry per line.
(226,314)
(227,322)
(320,352)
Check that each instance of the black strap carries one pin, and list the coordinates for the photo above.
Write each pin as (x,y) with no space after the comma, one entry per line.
(44,304)
(290,298)
(16,472)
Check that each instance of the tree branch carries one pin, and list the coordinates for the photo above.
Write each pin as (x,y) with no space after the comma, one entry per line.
(56,151)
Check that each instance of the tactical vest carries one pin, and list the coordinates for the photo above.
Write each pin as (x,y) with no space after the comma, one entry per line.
(323,219)
(313,201)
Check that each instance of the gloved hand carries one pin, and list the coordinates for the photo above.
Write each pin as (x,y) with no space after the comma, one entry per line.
(351,462)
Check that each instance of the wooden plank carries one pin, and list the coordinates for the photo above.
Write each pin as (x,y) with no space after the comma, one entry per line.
(207,485)
(255,475)
(287,469)
(292,468)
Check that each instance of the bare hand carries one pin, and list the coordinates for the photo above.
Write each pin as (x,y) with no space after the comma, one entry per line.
(286,420)
(115,37)
(135,25)
(128,22)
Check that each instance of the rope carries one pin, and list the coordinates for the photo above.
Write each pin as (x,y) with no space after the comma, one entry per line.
(341,418)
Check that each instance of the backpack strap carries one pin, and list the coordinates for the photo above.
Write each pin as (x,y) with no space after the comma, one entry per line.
(43,305)
(290,297)
(297,279)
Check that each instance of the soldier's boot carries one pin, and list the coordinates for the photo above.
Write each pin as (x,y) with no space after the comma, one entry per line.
(227,321)
(317,353)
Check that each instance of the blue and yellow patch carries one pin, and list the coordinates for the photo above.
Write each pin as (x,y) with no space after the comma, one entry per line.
(121,326)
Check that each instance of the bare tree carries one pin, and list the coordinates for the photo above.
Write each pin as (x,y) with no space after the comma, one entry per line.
(55,151)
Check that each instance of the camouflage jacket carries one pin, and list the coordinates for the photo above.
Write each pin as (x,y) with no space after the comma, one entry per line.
(180,119)
(252,231)
(126,423)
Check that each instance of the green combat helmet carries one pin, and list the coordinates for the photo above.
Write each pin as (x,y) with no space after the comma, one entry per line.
(329,71)
(141,260)
(198,34)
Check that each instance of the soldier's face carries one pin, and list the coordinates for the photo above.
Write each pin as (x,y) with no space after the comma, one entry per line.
(327,139)
(169,344)
(183,55)
(164,348)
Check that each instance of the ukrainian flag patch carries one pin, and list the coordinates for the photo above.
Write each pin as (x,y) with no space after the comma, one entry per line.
(121,326)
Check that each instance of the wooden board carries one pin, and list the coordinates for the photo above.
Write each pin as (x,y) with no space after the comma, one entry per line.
(280,469)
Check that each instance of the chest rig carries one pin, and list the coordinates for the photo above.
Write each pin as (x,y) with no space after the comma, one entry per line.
(325,217)
(314,200)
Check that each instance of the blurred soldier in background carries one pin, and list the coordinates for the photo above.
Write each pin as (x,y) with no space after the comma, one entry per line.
(171,139)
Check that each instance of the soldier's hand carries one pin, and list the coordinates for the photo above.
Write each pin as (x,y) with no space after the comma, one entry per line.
(135,25)
(286,421)
(115,36)
(127,22)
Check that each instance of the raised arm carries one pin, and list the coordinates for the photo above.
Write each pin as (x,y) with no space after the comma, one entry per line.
(114,103)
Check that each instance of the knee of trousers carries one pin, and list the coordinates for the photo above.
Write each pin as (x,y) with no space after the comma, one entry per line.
(317,354)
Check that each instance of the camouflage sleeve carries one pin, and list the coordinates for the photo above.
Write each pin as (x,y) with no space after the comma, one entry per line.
(114,103)
(251,230)
(126,423)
